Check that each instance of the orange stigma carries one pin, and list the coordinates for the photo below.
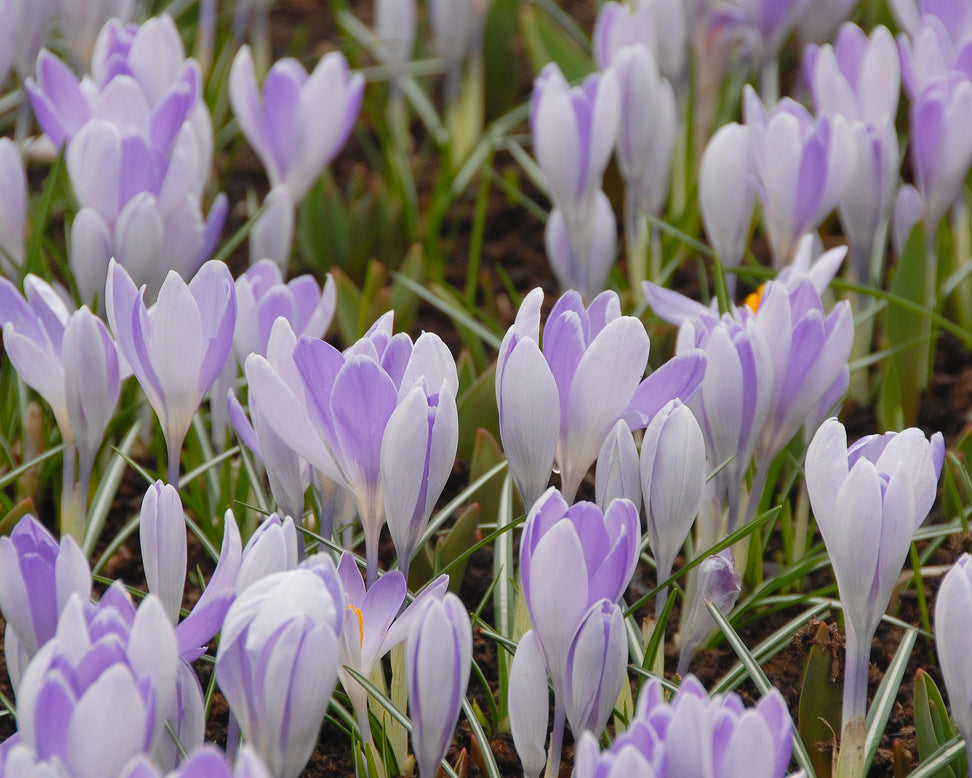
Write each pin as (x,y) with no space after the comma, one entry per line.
(357,612)
(753,299)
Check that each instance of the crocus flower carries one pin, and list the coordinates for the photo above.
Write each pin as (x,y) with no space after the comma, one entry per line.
(374,623)
(37,576)
(953,605)
(438,658)
(162,535)
(582,256)
(718,582)
(673,472)
(801,166)
(272,548)
(618,471)
(574,131)
(178,347)
(941,149)
(13,214)
(660,25)
(96,694)
(8,39)
(868,500)
(206,761)
(395,28)
(278,659)
(563,401)
(32,21)
(299,122)
(529,703)
(727,197)
(272,236)
(354,401)
(453,25)
(758,27)
(572,560)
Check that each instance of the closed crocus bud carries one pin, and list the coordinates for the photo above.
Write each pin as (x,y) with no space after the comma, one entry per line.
(178,348)
(952,608)
(798,195)
(272,548)
(908,211)
(718,583)
(162,534)
(618,471)
(646,133)
(278,659)
(597,662)
(299,122)
(80,24)
(673,471)
(726,194)
(95,695)
(13,213)
(583,265)
(272,237)
(529,702)
(37,576)
(888,484)
(941,149)
(453,25)
(438,658)
(395,28)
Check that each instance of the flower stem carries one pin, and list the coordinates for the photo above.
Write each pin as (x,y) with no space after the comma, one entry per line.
(556,738)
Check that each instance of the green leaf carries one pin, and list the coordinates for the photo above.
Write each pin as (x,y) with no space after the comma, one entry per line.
(546,41)
(932,726)
(880,710)
(820,703)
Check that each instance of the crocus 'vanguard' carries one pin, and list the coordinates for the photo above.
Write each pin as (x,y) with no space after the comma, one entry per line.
(868,500)
(562,402)
(953,607)
(176,348)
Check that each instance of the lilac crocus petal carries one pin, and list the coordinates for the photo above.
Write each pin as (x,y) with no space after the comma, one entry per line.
(679,378)
(91,249)
(277,662)
(272,548)
(908,211)
(13,215)
(162,535)
(726,195)
(272,237)
(617,472)
(596,667)
(438,658)
(952,606)
(529,703)
(56,97)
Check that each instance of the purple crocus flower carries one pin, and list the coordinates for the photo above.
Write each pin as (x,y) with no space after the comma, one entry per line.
(575,561)
(562,402)
(300,121)
(8,39)
(529,703)
(178,346)
(574,131)
(953,604)
(673,471)
(941,148)
(887,484)
(32,21)
(13,214)
(272,548)
(96,694)
(727,197)
(395,22)
(362,405)
(718,582)
(205,761)
(374,623)
(659,25)
(37,576)
(438,658)
(801,167)
(278,659)
(618,472)
(757,27)
(162,535)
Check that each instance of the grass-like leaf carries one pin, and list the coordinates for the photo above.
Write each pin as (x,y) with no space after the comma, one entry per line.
(880,710)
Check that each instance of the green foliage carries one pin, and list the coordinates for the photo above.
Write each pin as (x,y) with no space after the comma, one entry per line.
(820,702)
(933,729)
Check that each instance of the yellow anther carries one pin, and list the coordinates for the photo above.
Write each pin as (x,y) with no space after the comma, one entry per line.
(357,612)
(753,299)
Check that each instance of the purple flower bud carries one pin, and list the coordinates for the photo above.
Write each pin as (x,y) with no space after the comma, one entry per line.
(395,28)
(37,576)
(299,122)
(719,583)
(934,48)
(726,194)
(597,663)
(177,349)
(952,608)
(278,660)
(908,210)
(438,658)
(272,237)
(208,761)
(162,534)
(80,24)
(272,548)
(673,471)
(618,470)
(529,703)
(582,254)
(888,484)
